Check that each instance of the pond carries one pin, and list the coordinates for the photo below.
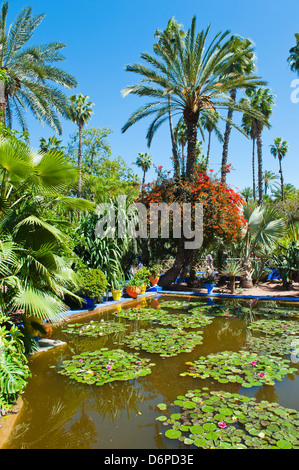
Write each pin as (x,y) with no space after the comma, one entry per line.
(182,376)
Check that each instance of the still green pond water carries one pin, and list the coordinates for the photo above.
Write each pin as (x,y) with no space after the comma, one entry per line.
(60,413)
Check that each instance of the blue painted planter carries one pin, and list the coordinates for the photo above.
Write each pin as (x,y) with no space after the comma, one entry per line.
(88,302)
(209,288)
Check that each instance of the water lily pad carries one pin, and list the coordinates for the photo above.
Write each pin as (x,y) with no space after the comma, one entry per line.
(164,341)
(224,427)
(105,366)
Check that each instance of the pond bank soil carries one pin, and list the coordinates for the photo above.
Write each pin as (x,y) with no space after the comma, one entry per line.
(7,421)
(263,289)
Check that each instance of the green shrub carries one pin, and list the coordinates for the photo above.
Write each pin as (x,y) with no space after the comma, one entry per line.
(14,370)
(92,283)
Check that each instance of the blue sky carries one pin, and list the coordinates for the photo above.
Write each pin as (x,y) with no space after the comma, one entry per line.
(101,37)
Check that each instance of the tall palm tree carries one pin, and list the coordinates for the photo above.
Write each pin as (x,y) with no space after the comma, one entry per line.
(293,58)
(243,66)
(249,125)
(144,161)
(260,99)
(194,76)
(80,112)
(197,79)
(209,122)
(30,73)
(268,177)
(279,149)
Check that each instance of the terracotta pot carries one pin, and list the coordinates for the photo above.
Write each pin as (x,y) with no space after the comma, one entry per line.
(133,291)
(154,280)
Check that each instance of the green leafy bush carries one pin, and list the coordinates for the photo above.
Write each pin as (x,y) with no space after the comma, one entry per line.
(14,370)
(92,283)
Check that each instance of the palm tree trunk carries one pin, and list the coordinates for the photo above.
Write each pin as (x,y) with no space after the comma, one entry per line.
(143,179)
(80,163)
(208,152)
(173,143)
(281,179)
(253,169)
(227,132)
(260,165)
(183,162)
(2,103)
(191,148)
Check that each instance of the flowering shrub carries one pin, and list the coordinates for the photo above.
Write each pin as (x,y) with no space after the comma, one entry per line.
(222,214)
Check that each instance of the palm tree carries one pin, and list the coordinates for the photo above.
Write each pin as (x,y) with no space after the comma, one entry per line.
(247,194)
(293,58)
(268,177)
(244,65)
(80,112)
(249,126)
(194,76)
(262,100)
(279,149)
(144,161)
(209,122)
(30,78)
(51,144)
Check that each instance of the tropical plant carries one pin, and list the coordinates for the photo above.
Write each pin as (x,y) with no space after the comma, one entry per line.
(264,228)
(233,269)
(260,99)
(14,370)
(31,74)
(35,252)
(195,76)
(243,66)
(208,277)
(79,112)
(279,149)
(144,161)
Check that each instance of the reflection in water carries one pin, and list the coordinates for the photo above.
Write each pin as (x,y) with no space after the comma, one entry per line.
(61,413)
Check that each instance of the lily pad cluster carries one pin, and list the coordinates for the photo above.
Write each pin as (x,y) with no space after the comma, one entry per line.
(94,328)
(104,365)
(183,320)
(166,342)
(178,304)
(275,327)
(140,313)
(229,420)
(244,367)
(273,345)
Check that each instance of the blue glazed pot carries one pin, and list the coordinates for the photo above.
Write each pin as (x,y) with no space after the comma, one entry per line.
(209,288)
(88,302)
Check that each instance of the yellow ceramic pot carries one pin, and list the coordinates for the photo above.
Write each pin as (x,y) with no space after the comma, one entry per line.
(143,288)
(116,294)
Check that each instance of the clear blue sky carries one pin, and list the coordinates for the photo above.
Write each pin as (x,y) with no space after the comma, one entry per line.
(101,37)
